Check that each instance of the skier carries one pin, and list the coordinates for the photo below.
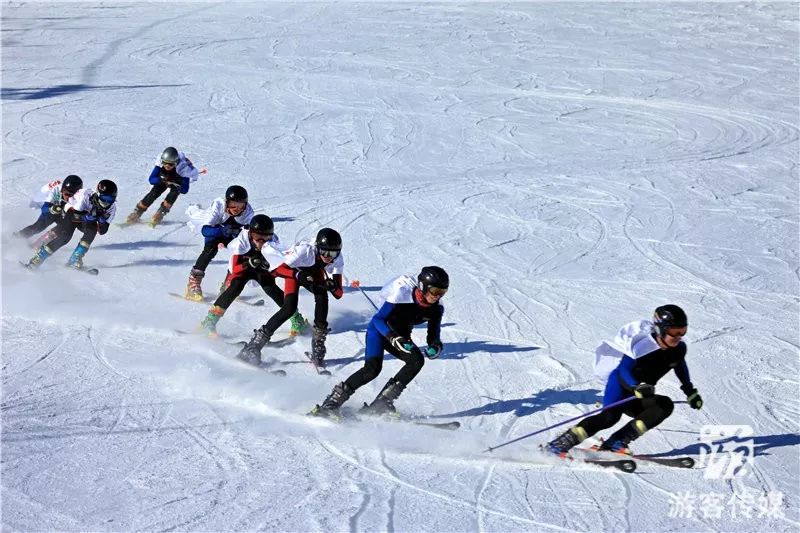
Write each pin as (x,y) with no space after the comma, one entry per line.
(175,173)
(407,302)
(51,200)
(633,363)
(306,264)
(91,211)
(247,263)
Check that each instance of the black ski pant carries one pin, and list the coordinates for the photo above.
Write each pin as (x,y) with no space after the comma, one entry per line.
(157,191)
(210,252)
(373,365)
(289,308)
(652,411)
(66,229)
(234,285)
(42,223)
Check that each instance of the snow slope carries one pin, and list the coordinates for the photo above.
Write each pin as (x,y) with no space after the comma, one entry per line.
(571,165)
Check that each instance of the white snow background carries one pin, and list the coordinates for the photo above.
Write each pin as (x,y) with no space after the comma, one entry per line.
(571,165)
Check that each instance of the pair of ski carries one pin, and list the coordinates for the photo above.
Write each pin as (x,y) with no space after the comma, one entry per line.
(90,271)
(361,416)
(626,463)
(210,300)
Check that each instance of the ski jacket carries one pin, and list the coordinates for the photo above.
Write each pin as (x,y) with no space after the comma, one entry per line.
(401,311)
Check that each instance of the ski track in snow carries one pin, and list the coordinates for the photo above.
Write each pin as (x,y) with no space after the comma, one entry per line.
(570,169)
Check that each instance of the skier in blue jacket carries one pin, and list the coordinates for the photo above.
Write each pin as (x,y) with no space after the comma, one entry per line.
(407,302)
(174,173)
(641,354)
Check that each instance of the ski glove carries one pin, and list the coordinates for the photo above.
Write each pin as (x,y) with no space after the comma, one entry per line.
(644,390)
(304,277)
(433,350)
(76,216)
(88,217)
(258,263)
(693,397)
(401,343)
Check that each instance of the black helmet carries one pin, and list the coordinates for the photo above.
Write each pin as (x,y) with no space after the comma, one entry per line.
(433,276)
(329,239)
(105,194)
(236,193)
(72,184)
(669,316)
(262,225)
(170,155)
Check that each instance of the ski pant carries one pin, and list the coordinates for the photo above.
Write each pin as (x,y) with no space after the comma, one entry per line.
(157,191)
(210,252)
(289,308)
(651,411)
(66,229)
(42,223)
(373,362)
(234,285)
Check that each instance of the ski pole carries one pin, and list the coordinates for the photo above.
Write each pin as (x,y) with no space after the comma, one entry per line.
(357,285)
(620,402)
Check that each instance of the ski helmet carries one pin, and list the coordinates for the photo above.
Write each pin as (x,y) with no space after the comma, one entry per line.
(72,184)
(106,193)
(669,316)
(262,225)
(236,193)
(329,240)
(170,155)
(433,276)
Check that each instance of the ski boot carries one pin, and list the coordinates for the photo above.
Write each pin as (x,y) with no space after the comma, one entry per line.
(134,217)
(209,323)
(159,215)
(384,402)
(41,254)
(330,407)
(318,351)
(76,259)
(193,290)
(619,440)
(251,353)
(568,440)
(297,324)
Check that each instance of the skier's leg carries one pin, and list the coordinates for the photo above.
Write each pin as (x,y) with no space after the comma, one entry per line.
(38,226)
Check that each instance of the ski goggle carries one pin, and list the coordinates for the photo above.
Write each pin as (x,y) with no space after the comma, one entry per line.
(170,163)
(437,291)
(261,238)
(329,253)
(675,333)
(105,200)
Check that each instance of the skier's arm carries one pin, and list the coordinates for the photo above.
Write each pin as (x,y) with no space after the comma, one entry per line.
(380,319)
(626,372)
(682,371)
(334,285)
(434,328)
(155,175)
(184,185)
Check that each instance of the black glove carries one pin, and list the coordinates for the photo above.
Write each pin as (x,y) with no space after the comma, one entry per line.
(434,349)
(693,397)
(401,343)
(330,285)
(305,278)
(76,216)
(644,390)
(258,262)
(56,210)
